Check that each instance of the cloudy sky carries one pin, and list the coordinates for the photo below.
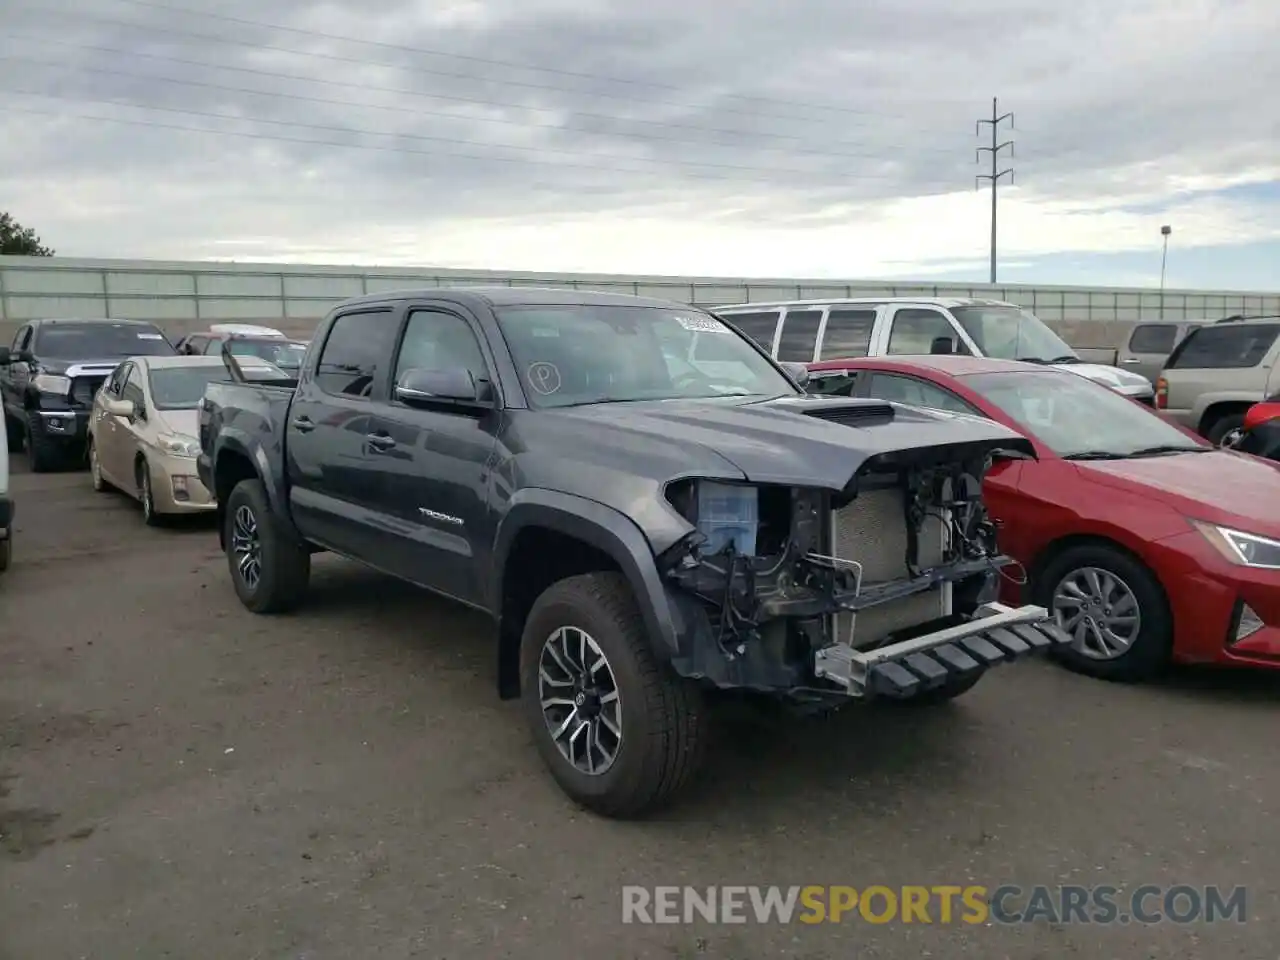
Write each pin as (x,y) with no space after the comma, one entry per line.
(815,138)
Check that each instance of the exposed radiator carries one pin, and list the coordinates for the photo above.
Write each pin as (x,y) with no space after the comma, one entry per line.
(872,531)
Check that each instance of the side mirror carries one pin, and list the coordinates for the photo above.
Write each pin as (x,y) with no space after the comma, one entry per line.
(942,346)
(796,371)
(459,386)
(120,408)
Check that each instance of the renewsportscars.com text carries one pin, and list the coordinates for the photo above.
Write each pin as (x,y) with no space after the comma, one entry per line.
(938,904)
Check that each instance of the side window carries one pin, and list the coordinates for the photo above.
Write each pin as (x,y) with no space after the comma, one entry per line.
(357,347)
(1234,346)
(211,347)
(22,340)
(116,382)
(848,333)
(914,331)
(439,341)
(1153,338)
(917,393)
(759,327)
(133,386)
(799,335)
(832,383)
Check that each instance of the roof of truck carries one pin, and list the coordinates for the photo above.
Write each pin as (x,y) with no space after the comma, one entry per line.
(502,296)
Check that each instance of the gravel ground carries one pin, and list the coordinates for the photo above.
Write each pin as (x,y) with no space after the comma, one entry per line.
(179,778)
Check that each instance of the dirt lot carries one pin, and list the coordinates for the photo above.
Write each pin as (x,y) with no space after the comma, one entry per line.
(179,778)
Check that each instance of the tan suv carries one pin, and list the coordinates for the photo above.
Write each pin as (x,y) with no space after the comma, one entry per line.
(1219,371)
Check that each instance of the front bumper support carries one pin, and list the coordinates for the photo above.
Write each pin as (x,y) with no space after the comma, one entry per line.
(997,634)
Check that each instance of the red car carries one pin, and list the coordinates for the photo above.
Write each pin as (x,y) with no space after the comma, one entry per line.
(1148,544)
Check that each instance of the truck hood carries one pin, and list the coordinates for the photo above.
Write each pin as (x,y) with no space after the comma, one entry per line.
(1122,381)
(1223,487)
(790,440)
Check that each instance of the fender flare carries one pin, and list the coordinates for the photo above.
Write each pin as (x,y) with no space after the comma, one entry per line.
(609,531)
(256,455)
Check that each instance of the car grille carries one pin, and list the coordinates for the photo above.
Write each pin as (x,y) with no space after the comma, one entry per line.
(872,531)
(83,389)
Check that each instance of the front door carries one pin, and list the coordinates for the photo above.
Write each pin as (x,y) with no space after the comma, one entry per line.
(913,330)
(331,486)
(107,429)
(432,465)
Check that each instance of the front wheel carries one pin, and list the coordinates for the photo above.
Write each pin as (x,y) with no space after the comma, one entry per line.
(619,732)
(100,484)
(270,570)
(1113,607)
(147,495)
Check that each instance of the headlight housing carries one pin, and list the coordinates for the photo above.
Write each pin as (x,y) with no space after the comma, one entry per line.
(721,512)
(52,383)
(179,446)
(1240,548)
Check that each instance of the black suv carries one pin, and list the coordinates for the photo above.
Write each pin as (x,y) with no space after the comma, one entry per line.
(51,374)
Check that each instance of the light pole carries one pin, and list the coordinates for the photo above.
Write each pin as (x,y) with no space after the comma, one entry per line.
(1164,255)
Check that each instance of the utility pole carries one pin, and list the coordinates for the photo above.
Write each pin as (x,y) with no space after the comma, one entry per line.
(996,173)
(1164,254)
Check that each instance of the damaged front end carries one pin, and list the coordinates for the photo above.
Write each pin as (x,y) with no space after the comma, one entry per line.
(886,587)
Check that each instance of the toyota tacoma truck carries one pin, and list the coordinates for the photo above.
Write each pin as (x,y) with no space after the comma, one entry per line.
(645,528)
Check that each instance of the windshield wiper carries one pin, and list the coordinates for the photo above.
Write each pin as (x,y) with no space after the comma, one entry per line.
(1169,448)
(1096,455)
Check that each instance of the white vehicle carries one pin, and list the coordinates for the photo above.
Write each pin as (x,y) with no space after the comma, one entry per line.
(808,330)
(6,504)
(245,330)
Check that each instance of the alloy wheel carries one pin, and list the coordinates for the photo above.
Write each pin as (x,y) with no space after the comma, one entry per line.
(580,700)
(246,547)
(1099,610)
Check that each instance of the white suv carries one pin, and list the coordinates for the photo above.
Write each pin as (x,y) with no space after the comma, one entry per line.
(805,331)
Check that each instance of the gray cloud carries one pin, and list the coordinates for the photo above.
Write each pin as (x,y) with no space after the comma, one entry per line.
(747,111)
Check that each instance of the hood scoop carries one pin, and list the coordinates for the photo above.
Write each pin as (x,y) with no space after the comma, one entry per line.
(871,414)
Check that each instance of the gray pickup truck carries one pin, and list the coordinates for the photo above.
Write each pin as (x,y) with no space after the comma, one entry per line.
(644,531)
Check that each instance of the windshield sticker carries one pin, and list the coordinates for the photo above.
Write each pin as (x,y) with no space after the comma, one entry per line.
(544,377)
(150,336)
(702,324)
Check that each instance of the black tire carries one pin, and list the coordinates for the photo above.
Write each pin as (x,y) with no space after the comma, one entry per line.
(663,720)
(284,564)
(1222,426)
(146,495)
(100,484)
(42,453)
(13,431)
(1152,649)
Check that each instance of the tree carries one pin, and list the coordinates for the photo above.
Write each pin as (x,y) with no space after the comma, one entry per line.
(19,241)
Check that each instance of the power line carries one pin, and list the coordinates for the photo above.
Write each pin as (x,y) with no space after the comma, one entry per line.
(595,167)
(330,128)
(400,91)
(487,61)
(996,173)
(365,61)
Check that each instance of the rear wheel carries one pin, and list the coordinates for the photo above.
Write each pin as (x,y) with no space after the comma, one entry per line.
(620,733)
(1113,607)
(270,570)
(1219,430)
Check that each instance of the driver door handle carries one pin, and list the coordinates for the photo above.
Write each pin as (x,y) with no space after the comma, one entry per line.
(380,441)
(304,424)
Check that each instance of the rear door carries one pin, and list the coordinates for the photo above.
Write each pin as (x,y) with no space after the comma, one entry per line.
(333,486)
(432,462)
(1147,348)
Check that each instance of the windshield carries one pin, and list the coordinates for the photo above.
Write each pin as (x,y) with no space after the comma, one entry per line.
(94,341)
(285,354)
(181,388)
(576,354)
(1008,333)
(1072,415)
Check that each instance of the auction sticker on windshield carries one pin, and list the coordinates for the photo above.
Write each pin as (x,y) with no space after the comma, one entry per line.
(150,336)
(702,324)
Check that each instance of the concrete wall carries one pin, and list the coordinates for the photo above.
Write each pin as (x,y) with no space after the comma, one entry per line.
(185,296)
